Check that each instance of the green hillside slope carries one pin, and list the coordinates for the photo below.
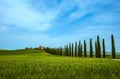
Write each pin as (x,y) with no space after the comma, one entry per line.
(37,64)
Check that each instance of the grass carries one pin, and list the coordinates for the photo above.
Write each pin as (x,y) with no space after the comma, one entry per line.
(36,64)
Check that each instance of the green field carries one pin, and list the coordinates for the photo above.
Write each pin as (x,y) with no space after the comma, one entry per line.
(36,64)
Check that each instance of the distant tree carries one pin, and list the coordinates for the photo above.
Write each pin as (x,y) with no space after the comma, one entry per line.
(99,47)
(26,48)
(51,51)
(75,49)
(72,49)
(103,44)
(113,47)
(56,51)
(79,49)
(91,48)
(69,49)
(65,50)
(96,49)
(61,51)
(85,49)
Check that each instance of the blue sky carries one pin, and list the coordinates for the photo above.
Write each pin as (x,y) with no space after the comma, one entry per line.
(54,23)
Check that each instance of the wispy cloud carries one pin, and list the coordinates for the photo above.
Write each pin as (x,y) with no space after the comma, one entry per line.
(20,14)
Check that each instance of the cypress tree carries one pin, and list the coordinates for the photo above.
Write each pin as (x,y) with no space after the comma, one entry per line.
(55,51)
(103,44)
(60,51)
(69,49)
(51,50)
(79,49)
(91,48)
(72,49)
(65,49)
(75,49)
(96,49)
(85,49)
(99,47)
(113,47)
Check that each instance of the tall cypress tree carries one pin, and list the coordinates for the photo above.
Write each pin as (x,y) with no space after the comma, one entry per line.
(69,49)
(99,47)
(103,44)
(65,50)
(75,49)
(79,49)
(61,51)
(72,49)
(113,47)
(85,49)
(91,48)
(96,49)
(57,51)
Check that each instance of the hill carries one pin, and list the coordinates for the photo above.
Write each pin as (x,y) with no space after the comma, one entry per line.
(37,64)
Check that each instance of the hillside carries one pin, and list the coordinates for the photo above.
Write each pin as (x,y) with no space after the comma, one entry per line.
(37,64)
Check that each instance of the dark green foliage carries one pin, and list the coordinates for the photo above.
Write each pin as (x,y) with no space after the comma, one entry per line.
(103,44)
(75,49)
(85,49)
(113,47)
(72,49)
(56,51)
(69,49)
(91,48)
(65,50)
(61,51)
(96,50)
(99,47)
(79,49)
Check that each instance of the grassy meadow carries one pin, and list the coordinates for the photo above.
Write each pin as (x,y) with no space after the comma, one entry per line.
(37,64)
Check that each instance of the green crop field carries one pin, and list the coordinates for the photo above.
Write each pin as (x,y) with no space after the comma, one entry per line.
(37,64)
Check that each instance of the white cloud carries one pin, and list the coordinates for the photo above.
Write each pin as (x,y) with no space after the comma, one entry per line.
(20,14)
(96,7)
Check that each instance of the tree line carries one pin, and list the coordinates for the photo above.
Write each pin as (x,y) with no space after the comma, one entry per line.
(79,50)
